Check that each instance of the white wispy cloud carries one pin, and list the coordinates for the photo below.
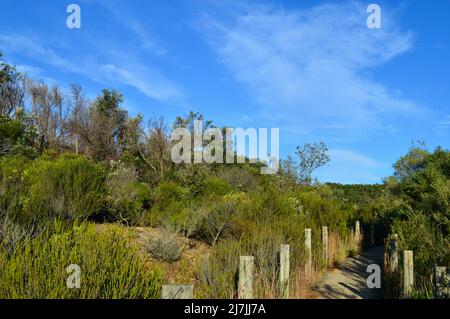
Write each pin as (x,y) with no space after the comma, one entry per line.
(349,166)
(309,67)
(31,70)
(444,124)
(143,78)
(36,73)
(128,20)
(31,47)
(159,88)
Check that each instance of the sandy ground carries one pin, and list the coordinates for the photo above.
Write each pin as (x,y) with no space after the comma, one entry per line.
(348,281)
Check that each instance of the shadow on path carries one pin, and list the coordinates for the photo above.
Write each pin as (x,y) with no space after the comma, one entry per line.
(349,280)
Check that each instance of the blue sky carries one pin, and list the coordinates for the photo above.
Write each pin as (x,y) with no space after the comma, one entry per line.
(311,68)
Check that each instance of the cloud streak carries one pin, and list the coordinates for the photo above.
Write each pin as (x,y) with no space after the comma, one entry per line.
(309,67)
(130,22)
(349,166)
(144,79)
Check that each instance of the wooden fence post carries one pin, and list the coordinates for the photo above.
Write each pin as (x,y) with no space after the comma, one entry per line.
(308,246)
(408,273)
(393,254)
(325,245)
(246,270)
(441,290)
(357,232)
(284,271)
(177,292)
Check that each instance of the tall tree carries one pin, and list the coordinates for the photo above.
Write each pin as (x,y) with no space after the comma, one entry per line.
(104,126)
(51,116)
(311,157)
(12,90)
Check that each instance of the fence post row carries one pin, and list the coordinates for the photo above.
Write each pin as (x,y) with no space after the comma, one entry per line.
(247,268)
(284,271)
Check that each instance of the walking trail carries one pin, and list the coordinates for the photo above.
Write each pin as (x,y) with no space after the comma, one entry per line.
(348,281)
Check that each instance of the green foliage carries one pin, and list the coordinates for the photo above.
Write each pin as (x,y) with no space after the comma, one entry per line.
(217,221)
(356,193)
(311,157)
(168,193)
(215,186)
(321,209)
(171,206)
(430,246)
(261,222)
(240,178)
(193,177)
(416,205)
(216,274)
(412,162)
(16,137)
(128,199)
(12,173)
(110,266)
(69,187)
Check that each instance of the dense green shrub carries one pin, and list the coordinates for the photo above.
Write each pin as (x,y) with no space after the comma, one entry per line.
(215,186)
(216,273)
(322,210)
(168,193)
(128,199)
(192,177)
(240,178)
(217,221)
(418,233)
(12,189)
(110,266)
(171,206)
(16,136)
(68,187)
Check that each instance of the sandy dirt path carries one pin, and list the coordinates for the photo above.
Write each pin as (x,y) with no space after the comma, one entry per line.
(348,281)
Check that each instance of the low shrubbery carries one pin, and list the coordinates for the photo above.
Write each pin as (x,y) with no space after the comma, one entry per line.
(110,266)
(68,187)
(128,199)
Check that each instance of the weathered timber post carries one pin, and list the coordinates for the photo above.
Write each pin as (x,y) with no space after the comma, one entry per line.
(372,234)
(325,245)
(393,254)
(441,282)
(177,292)
(308,246)
(284,271)
(408,273)
(246,270)
(357,232)
(386,253)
